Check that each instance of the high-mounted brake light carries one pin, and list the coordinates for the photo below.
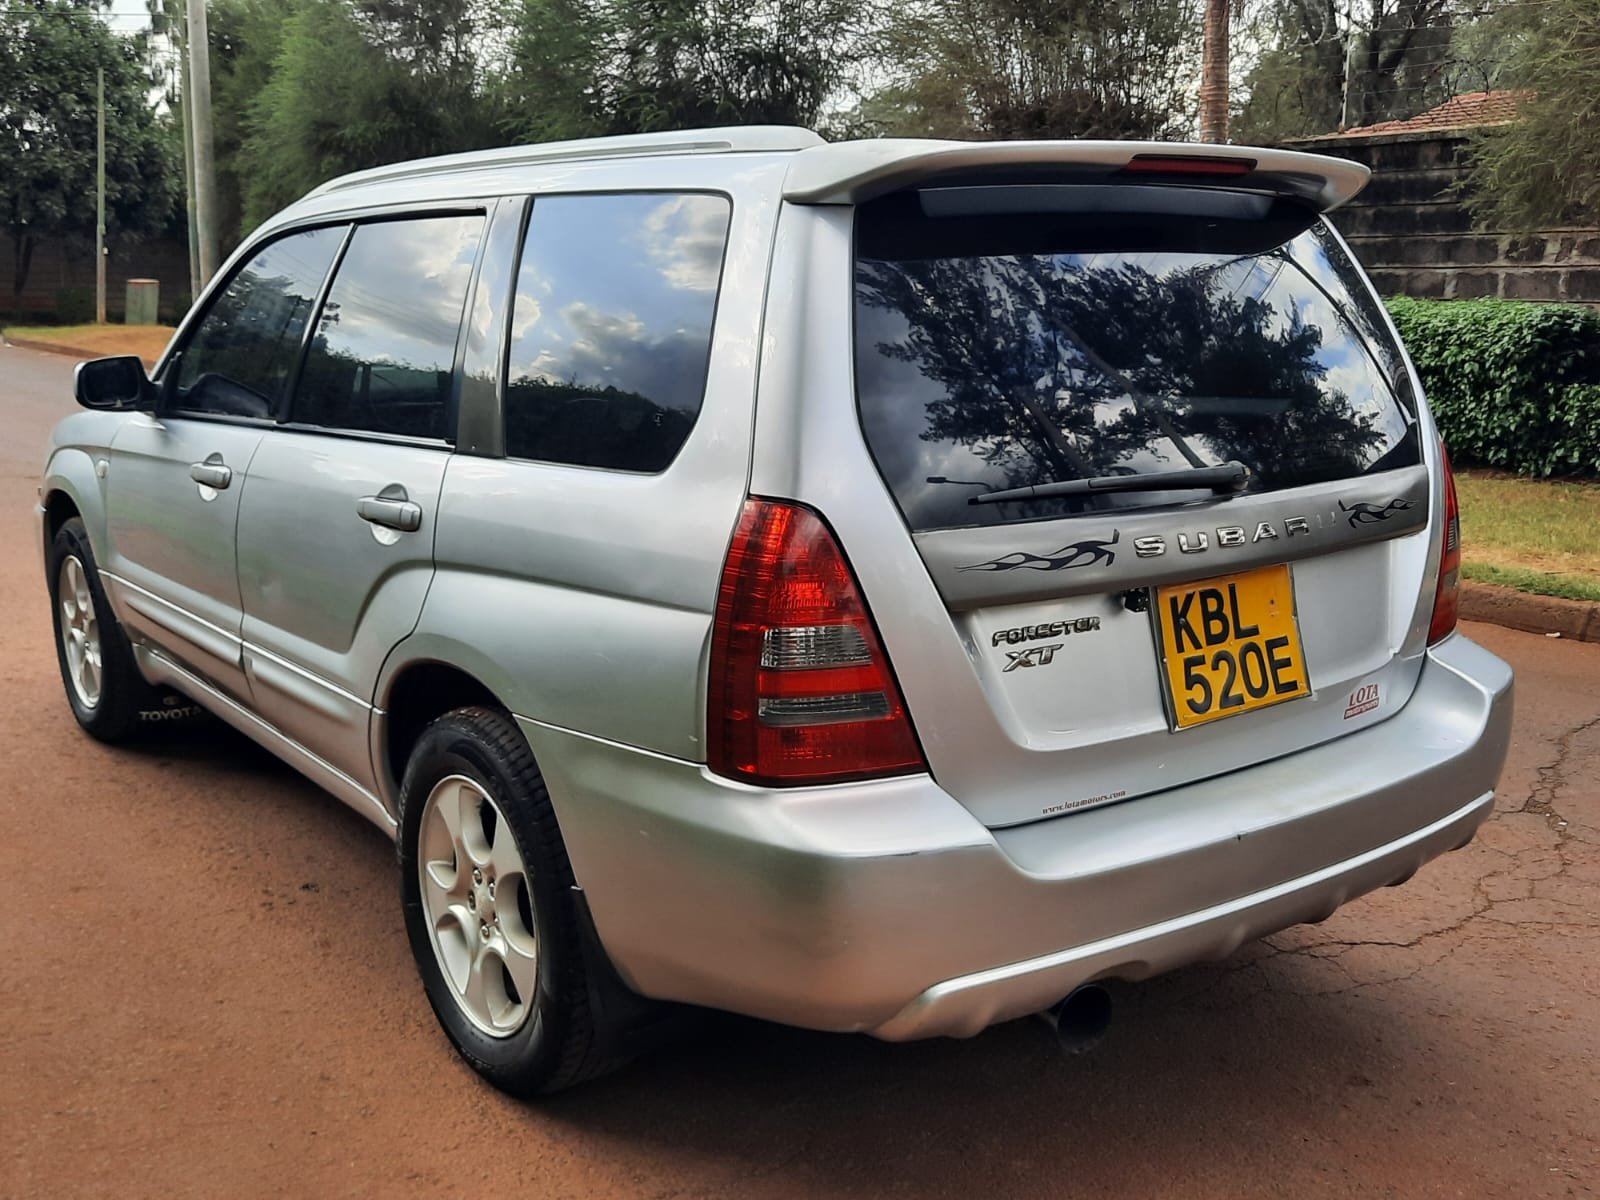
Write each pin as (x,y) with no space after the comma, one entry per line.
(800,689)
(1187,164)
(1447,598)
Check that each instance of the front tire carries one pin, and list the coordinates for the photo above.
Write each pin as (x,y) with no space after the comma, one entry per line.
(103,684)
(487,893)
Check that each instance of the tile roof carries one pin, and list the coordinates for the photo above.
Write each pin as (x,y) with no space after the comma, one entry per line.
(1467,109)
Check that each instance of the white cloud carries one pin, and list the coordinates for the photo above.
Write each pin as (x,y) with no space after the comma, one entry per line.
(684,237)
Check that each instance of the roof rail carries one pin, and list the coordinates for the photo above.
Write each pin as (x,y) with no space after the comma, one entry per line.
(731,139)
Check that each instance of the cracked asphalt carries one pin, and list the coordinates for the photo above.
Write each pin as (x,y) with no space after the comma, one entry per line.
(205,990)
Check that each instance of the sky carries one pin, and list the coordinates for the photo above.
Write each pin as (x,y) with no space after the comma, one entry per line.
(127,16)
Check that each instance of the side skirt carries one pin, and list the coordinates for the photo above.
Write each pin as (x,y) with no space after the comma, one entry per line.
(158,668)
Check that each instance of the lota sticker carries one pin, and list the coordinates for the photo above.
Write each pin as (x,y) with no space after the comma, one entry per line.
(1363,700)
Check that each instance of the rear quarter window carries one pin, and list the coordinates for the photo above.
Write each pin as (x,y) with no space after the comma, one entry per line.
(1006,349)
(611,327)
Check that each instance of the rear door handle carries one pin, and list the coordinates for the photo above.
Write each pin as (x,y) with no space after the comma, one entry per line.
(391,512)
(213,473)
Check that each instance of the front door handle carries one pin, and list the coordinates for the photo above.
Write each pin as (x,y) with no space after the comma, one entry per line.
(392,512)
(213,473)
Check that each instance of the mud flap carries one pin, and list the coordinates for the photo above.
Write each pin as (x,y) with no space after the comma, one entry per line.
(626,1023)
(169,708)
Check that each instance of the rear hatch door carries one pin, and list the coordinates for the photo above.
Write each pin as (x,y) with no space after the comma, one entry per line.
(1159,452)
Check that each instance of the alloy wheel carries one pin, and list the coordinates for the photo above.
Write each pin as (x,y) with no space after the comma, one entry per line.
(80,631)
(479,907)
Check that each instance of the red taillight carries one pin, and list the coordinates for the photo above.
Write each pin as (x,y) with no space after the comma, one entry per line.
(800,688)
(1447,600)
(1188,164)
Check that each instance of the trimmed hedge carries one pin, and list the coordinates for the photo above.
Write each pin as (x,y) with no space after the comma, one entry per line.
(1512,385)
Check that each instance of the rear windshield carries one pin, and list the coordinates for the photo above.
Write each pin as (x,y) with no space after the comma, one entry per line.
(1009,337)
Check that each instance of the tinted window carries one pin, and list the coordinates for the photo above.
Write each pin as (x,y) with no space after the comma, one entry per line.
(240,357)
(997,352)
(611,328)
(383,357)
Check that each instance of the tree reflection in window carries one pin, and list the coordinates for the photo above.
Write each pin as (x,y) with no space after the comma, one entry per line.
(383,356)
(1006,370)
(239,358)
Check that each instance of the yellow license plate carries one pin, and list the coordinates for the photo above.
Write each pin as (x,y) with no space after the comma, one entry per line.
(1229,645)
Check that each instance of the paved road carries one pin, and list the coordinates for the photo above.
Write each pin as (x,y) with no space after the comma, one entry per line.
(205,991)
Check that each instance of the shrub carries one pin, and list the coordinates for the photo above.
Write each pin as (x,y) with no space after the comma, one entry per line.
(1512,385)
(74,305)
(173,308)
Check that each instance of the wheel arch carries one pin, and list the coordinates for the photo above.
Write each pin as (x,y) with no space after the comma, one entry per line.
(59,508)
(70,489)
(415,690)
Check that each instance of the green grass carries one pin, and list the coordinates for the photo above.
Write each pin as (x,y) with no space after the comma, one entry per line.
(1568,587)
(67,333)
(1535,535)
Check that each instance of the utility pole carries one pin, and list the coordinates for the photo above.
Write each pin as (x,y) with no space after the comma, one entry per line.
(186,104)
(100,199)
(1352,52)
(1214,74)
(205,179)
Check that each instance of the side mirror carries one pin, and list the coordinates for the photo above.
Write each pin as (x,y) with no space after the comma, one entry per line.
(114,383)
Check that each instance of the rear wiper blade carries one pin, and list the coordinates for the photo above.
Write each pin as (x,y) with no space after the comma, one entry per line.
(1230,477)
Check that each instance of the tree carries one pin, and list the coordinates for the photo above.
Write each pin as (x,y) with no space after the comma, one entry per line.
(1327,65)
(581,67)
(1041,68)
(245,37)
(50,51)
(339,85)
(555,87)
(1543,170)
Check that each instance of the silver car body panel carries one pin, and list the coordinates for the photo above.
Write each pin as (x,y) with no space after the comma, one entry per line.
(327,594)
(77,463)
(583,601)
(172,538)
(886,907)
(1092,728)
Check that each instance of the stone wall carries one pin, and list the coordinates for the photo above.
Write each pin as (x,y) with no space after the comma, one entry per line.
(1415,238)
(59,266)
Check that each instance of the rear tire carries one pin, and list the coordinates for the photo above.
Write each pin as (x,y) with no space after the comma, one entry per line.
(487,894)
(108,695)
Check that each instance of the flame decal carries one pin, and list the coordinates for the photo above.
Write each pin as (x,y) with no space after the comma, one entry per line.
(1362,513)
(1092,552)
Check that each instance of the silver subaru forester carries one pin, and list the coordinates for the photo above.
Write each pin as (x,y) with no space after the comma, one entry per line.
(884,586)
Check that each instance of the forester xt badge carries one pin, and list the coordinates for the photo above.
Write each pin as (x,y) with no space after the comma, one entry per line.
(1049,629)
(1039,656)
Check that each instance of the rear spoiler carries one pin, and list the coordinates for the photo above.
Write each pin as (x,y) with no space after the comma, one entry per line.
(853,172)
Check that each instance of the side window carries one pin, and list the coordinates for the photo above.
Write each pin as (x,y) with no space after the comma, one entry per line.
(611,328)
(240,356)
(383,356)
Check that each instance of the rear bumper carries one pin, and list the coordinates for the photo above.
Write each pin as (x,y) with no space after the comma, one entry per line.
(971,1002)
(886,908)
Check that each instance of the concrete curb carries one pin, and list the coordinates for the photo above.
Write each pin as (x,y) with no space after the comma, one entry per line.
(1575,619)
(51,347)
